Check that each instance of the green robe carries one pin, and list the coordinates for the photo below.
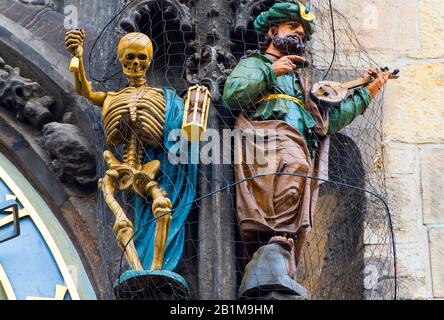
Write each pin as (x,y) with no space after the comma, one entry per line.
(253,78)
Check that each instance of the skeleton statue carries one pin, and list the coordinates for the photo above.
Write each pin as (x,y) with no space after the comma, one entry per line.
(134,118)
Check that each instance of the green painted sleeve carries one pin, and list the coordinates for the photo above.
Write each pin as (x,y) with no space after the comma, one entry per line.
(348,110)
(250,79)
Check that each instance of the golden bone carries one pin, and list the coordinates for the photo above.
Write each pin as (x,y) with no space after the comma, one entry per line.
(133,117)
(134,110)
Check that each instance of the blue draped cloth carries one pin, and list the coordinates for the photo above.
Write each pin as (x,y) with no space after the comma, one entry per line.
(178,180)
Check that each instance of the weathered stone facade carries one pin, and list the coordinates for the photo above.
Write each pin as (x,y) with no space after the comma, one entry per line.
(410,35)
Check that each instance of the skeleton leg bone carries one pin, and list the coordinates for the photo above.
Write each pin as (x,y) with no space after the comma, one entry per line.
(123,228)
(162,212)
(160,239)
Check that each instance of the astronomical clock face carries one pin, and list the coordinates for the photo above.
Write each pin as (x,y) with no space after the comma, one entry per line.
(41,262)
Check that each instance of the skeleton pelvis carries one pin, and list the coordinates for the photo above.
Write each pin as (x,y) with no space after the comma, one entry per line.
(136,180)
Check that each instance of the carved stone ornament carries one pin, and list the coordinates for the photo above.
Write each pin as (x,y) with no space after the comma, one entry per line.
(19,94)
(73,161)
(131,16)
(245,11)
(210,66)
(71,154)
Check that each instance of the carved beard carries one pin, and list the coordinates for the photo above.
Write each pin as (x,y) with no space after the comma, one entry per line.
(290,44)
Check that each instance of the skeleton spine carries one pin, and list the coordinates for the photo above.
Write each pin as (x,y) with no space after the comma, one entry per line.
(133,153)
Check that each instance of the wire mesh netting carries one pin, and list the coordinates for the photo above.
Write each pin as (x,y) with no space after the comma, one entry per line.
(349,253)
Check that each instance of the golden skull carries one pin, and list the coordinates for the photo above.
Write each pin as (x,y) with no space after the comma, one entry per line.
(135,53)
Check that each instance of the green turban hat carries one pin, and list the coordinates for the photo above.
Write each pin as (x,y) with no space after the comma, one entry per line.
(284,12)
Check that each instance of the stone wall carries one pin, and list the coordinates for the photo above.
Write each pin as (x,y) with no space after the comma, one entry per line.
(409,34)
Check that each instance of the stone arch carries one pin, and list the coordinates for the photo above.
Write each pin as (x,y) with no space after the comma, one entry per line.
(168,24)
(23,144)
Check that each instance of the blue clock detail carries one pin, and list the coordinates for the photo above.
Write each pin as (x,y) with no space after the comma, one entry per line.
(41,262)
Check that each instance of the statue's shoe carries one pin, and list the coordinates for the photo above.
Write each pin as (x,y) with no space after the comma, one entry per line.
(267,275)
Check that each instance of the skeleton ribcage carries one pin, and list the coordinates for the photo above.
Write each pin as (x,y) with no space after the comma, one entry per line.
(140,114)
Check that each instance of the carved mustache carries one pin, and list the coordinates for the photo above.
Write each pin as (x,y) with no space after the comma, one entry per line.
(291,43)
(295,36)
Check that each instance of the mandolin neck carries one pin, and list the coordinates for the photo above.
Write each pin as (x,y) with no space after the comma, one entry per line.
(356,83)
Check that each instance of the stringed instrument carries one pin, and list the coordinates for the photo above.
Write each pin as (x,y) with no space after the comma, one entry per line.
(330,93)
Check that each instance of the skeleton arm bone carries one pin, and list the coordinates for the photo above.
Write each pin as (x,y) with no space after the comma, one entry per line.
(74,43)
(84,87)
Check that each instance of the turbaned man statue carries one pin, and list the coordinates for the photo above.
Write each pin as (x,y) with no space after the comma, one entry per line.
(275,211)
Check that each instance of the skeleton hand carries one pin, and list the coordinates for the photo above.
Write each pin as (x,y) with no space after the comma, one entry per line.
(74,42)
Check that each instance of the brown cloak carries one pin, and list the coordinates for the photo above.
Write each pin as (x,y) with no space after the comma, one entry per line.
(279,204)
